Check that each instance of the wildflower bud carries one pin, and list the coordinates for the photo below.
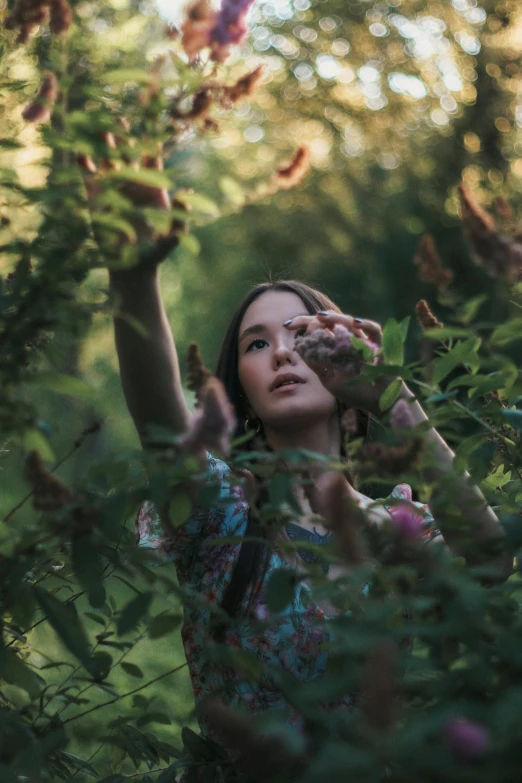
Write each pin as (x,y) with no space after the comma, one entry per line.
(379,692)
(431,269)
(197,373)
(401,416)
(258,758)
(499,253)
(86,162)
(406,521)
(49,494)
(466,739)
(349,421)
(425,317)
(245,86)
(61,16)
(213,422)
(197,28)
(40,109)
(289,176)
(378,459)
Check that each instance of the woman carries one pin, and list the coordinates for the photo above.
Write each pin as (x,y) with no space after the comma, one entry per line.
(292,405)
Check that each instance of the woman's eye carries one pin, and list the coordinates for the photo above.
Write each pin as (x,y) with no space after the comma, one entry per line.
(255,342)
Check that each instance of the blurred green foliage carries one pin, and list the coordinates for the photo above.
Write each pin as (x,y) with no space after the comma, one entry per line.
(398,103)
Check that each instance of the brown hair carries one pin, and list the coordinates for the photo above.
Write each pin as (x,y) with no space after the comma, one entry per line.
(253,560)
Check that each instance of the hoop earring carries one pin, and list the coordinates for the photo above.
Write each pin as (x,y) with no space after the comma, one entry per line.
(247,426)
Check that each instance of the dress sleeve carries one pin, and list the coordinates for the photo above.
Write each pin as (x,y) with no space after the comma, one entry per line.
(429,530)
(221,512)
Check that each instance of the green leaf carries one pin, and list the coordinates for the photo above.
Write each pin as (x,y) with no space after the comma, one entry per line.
(393,339)
(498,478)
(163,624)
(180,508)
(280,589)
(469,309)
(190,243)
(116,224)
(65,621)
(390,394)
(507,332)
(232,190)
(513,418)
(132,669)
(132,613)
(199,203)
(464,353)
(149,177)
(153,717)
(80,764)
(14,671)
(88,567)
(444,333)
(35,440)
(122,75)
(63,384)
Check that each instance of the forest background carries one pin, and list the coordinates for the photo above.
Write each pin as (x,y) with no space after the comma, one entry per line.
(398,103)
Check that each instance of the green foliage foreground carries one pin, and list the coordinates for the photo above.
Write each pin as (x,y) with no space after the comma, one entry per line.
(453,709)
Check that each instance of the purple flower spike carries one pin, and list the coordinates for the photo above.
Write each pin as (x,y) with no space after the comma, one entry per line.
(230,28)
(467,740)
(401,416)
(406,521)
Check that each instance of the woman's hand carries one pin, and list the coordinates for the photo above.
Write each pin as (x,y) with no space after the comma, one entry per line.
(346,382)
(152,244)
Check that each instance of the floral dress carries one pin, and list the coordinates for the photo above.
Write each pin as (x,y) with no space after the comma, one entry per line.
(292,644)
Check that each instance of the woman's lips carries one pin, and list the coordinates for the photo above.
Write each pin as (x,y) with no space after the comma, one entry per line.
(287,387)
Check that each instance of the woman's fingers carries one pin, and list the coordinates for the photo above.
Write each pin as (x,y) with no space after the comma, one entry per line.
(372,329)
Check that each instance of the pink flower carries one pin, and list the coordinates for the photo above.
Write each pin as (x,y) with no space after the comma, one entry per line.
(230,28)
(467,740)
(406,521)
(213,423)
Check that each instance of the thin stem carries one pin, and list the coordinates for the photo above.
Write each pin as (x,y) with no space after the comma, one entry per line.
(124,695)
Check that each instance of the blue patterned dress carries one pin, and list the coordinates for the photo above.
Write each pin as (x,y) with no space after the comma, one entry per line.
(292,643)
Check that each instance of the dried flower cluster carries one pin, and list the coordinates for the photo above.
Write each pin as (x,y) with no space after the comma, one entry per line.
(213,423)
(294,172)
(197,373)
(499,253)
(431,268)
(213,93)
(27,14)
(406,522)
(333,347)
(401,416)
(244,87)
(377,459)
(219,30)
(343,517)
(425,317)
(349,422)
(258,758)
(49,494)
(41,107)
(379,693)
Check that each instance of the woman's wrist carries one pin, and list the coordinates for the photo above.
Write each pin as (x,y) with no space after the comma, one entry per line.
(130,280)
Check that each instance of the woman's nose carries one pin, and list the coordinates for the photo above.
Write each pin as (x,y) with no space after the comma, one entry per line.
(284,352)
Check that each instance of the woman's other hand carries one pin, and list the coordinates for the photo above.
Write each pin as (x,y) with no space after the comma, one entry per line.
(346,382)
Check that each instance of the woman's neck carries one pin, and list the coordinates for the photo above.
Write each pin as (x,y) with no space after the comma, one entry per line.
(319,437)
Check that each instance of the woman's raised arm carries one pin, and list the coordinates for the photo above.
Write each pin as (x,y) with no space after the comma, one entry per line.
(149,365)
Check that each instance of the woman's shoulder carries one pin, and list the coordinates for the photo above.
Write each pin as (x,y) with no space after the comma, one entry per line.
(218,506)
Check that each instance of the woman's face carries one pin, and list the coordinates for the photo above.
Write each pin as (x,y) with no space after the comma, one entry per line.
(265,354)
